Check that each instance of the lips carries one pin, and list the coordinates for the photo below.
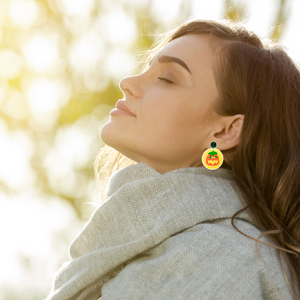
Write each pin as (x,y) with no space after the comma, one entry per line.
(121,104)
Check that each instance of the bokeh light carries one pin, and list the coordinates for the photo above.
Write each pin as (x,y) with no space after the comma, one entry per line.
(40,52)
(255,14)
(86,53)
(46,95)
(69,151)
(120,64)
(165,12)
(45,98)
(42,225)
(10,63)
(97,81)
(207,11)
(15,153)
(289,39)
(15,105)
(23,13)
(4,88)
(76,7)
(119,27)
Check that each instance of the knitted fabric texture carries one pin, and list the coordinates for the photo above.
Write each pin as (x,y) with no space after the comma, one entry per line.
(169,236)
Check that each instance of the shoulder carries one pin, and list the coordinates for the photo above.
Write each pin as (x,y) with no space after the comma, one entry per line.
(220,237)
(224,250)
(220,233)
(210,259)
(219,244)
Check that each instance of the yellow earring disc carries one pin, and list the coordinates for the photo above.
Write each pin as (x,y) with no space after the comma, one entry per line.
(212,159)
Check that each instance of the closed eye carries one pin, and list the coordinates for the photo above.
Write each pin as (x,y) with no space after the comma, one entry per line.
(166,80)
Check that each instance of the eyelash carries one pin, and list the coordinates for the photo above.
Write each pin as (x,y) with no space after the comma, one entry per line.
(166,80)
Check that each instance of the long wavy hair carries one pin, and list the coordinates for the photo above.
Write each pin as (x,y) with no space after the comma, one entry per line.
(257,78)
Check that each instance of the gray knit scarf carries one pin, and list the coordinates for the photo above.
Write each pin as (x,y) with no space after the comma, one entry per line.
(143,209)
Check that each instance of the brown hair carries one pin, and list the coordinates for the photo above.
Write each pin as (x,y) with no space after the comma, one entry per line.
(256,78)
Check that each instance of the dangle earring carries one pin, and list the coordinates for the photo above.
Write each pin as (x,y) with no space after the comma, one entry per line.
(212,158)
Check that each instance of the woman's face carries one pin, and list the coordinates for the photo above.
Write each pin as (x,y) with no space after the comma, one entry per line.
(174,122)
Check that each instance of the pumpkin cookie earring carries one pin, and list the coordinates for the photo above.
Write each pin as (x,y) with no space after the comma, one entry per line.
(212,158)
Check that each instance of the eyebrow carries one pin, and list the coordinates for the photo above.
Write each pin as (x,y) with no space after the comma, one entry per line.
(168,59)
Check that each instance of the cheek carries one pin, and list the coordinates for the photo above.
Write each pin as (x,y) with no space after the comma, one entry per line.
(168,123)
(161,117)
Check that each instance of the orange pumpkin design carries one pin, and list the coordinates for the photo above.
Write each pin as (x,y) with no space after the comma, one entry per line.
(212,159)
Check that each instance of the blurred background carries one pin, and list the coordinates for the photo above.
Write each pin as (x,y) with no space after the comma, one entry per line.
(60,65)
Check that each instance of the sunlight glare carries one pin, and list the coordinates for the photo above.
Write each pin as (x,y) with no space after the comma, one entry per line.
(120,64)
(86,53)
(16,105)
(76,7)
(40,52)
(43,247)
(10,64)
(72,144)
(4,88)
(206,12)
(77,25)
(141,4)
(165,11)
(45,95)
(97,81)
(15,153)
(260,14)
(42,95)
(70,151)
(289,34)
(23,13)
(119,27)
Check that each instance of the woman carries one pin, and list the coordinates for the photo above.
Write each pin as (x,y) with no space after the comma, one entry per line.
(171,228)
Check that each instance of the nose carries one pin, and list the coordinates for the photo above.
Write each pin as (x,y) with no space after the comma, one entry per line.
(129,87)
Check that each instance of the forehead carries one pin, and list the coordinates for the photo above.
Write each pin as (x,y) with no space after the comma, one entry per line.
(196,50)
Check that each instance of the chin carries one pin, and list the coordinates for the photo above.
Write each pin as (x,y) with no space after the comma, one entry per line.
(116,137)
(107,133)
(113,131)
(110,135)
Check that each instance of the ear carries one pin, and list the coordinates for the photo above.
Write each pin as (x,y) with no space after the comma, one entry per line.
(228,134)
